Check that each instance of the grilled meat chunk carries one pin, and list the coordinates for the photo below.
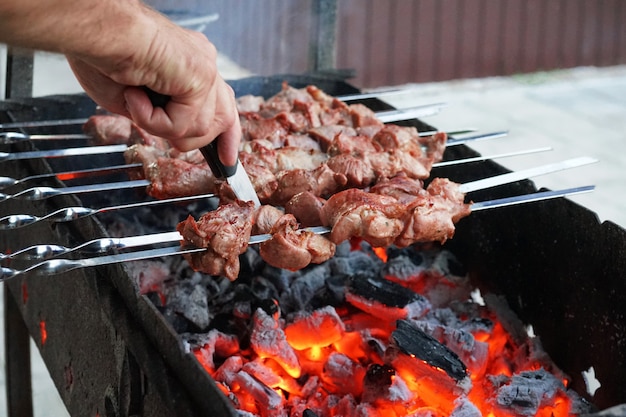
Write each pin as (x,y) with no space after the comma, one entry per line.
(433,214)
(356,213)
(225,233)
(108,129)
(293,248)
(169,177)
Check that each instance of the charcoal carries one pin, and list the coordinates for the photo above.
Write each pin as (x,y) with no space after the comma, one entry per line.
(378,375)
(305,287)
(156,299)
(402,268)
(271,272)
(264,396)
(335,290)
(320,328)
(263,288)
(477,325)
(361,262)
(473,353)
(340,266)
(268,340)
(343,374)
(527,391)
(343,250)
(383,386)
(190,300)
(448,265)
(178,321)
(354,263)
(383,291)
(309,413)
(415,342)
(212,345)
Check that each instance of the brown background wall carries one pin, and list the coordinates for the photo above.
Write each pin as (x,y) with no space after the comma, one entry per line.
(401,41)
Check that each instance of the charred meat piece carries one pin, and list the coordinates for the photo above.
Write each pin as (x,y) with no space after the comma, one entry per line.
(293,248)
(225,233)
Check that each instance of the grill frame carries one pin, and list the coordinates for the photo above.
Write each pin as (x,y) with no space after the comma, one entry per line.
(147,371)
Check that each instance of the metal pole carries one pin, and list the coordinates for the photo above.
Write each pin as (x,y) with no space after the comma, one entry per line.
(323,39)
(19,74)
(17,352)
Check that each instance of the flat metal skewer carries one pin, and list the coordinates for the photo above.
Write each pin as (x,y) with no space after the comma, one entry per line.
(16,221)
(41,193)
(56,266)
(68,175)
(106,149)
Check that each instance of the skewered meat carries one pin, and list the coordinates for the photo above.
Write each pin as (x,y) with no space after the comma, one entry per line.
(169,177)
(306,207)
(108,129)
(409,214)
(428,216)
(293,248)
(434,214)
(355,213)
(225,233)
(279,171)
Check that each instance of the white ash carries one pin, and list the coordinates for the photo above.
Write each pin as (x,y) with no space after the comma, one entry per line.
(262,394)
(344,374)
(305,287)
(465,408)
(526,392)
(148,274)
(191,301)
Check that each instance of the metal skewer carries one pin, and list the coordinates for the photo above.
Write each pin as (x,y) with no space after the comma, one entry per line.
(105,149)
(41,193)
(68,175)
(56,266)
(15,221)
(414,111)
(16,137)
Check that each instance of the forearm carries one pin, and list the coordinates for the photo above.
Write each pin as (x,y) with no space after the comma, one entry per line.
(75,27)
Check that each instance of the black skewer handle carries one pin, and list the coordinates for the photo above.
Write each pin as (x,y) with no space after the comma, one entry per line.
(208,151)
(157,99)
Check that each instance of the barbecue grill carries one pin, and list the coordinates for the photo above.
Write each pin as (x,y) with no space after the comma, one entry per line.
(111,352)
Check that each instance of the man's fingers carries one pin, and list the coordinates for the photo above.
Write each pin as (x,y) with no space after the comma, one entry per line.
(228,144)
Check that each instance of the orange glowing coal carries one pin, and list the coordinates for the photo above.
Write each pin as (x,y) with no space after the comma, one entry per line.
(43,332)
(345,361)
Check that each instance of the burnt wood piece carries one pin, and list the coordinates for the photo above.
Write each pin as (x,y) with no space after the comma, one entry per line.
(383,291)
(422,346)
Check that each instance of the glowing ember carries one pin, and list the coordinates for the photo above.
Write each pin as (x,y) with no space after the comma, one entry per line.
(43,332)
(380,354)
(24,293)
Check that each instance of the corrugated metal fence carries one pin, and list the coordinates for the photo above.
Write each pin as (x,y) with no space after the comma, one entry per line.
(400,41)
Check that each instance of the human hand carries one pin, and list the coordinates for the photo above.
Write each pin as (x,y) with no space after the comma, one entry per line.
(171,61)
